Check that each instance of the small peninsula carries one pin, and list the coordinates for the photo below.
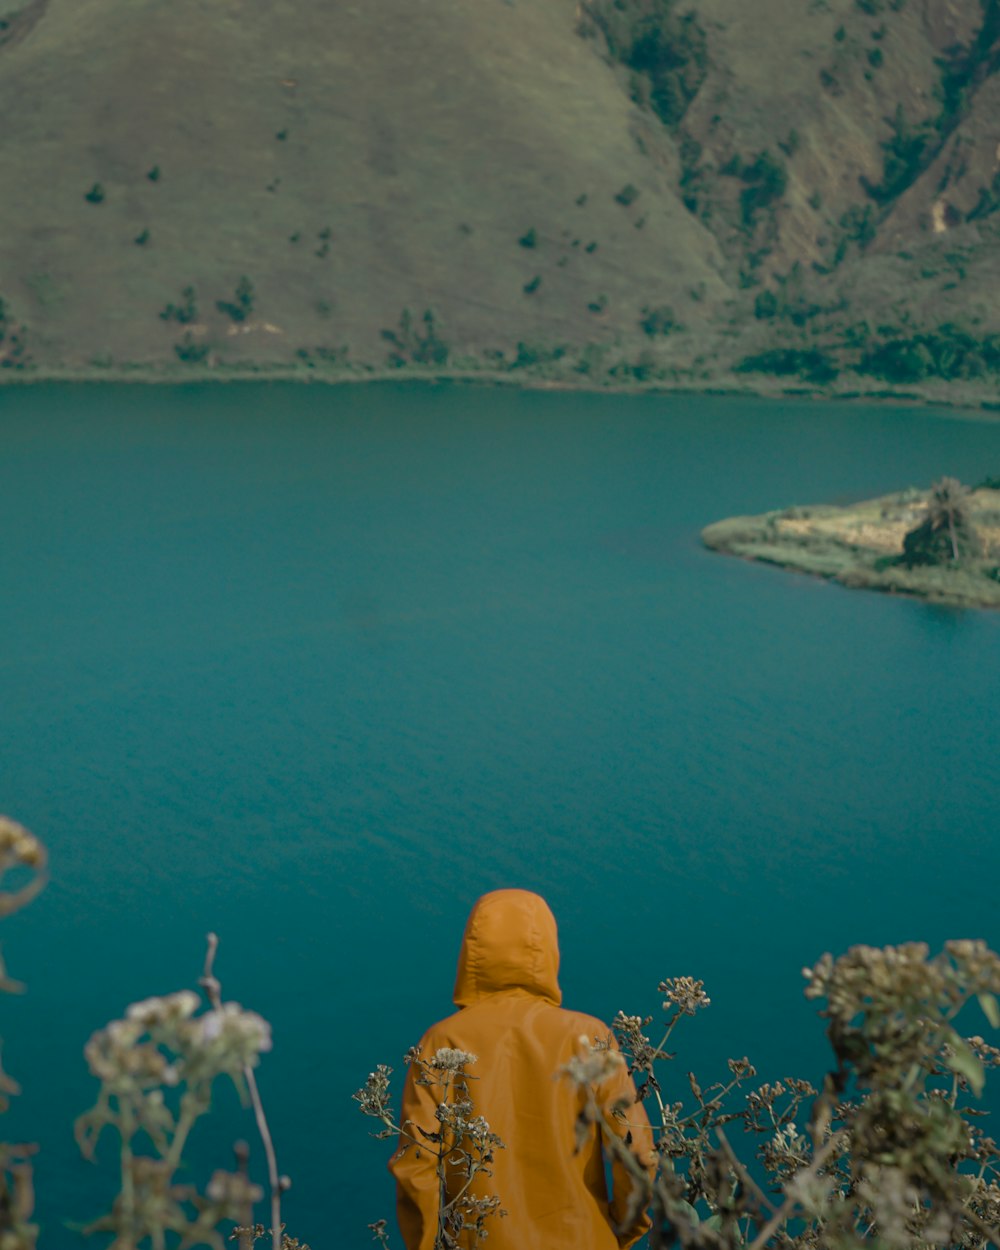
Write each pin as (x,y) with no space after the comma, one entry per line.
(940,544)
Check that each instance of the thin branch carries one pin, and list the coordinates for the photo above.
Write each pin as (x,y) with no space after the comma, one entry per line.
(742,1173)
(278,1184)
(788,1206)
(989,1231)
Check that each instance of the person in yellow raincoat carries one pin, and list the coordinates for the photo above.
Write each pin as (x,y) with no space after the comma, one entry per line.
(553,1190)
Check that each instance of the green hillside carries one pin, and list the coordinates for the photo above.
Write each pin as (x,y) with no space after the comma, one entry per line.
(625,190)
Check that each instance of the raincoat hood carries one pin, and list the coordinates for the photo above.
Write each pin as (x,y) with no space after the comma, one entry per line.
(510,943)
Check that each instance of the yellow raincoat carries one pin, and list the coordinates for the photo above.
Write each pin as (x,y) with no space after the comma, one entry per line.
(508,995)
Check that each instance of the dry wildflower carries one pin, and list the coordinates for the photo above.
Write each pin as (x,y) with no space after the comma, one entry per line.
(592,1063)
(628,1024)
(18,845)
(685,993)
(20,849)
(462,1145)
(163,1042)
(989,1055)
(233,1190)
(249,1234)
(882,1154)
(236,1036)
(448,1059)
(169,1010)
(633,1040)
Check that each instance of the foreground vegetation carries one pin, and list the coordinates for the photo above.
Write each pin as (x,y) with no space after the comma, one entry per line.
(941,544)
(156,1069)
(888,1150)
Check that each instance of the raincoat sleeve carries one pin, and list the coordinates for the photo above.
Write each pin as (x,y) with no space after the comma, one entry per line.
(414,1165)
(632,1127)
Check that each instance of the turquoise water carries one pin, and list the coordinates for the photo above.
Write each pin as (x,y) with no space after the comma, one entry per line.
(315,667)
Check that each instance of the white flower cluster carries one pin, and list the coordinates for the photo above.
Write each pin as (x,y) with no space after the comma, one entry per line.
(230,1028)
(228,1039)
(592,1064)
(629,1024)
(233,1191)
(161,1042)
(448,1059)
(787,1137)
(169,1010)
(684,992)
(119,1060)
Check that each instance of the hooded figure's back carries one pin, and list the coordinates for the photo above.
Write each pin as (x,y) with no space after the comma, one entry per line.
(508,993)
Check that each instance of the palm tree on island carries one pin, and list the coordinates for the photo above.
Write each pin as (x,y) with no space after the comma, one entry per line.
(946,535)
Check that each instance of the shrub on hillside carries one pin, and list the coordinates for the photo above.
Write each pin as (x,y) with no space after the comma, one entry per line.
(949,352)
(789,300)
(813,364)
(409,344)
(858,225)
(190,351)
(665,49)
(13,351)
(533,355)
(185,312)
(657,321)
(766,182)
(241,305)
(906,154)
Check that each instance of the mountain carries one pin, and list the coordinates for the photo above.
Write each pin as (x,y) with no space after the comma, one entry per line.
(640,189)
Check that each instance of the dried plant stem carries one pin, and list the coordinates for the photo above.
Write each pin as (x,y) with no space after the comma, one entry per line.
(988,1230)
(742,1173)
(278,1184)
(242,1152)
(787,1208)
(442,1175)
(188,1117)
(128,1180)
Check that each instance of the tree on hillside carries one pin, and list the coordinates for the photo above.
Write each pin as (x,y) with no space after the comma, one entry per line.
(12,352)
(946,535)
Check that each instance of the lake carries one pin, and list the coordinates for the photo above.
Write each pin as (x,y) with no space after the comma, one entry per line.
(315,667)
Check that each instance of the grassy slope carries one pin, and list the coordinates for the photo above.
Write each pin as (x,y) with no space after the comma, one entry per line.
(428,137)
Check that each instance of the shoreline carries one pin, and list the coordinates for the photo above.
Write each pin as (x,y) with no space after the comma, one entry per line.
(965,402)
(860,546)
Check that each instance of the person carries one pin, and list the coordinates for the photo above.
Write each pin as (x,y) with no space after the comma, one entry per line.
(551,1184)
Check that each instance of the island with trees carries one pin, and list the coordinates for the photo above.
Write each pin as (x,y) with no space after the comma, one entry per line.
(940,544)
